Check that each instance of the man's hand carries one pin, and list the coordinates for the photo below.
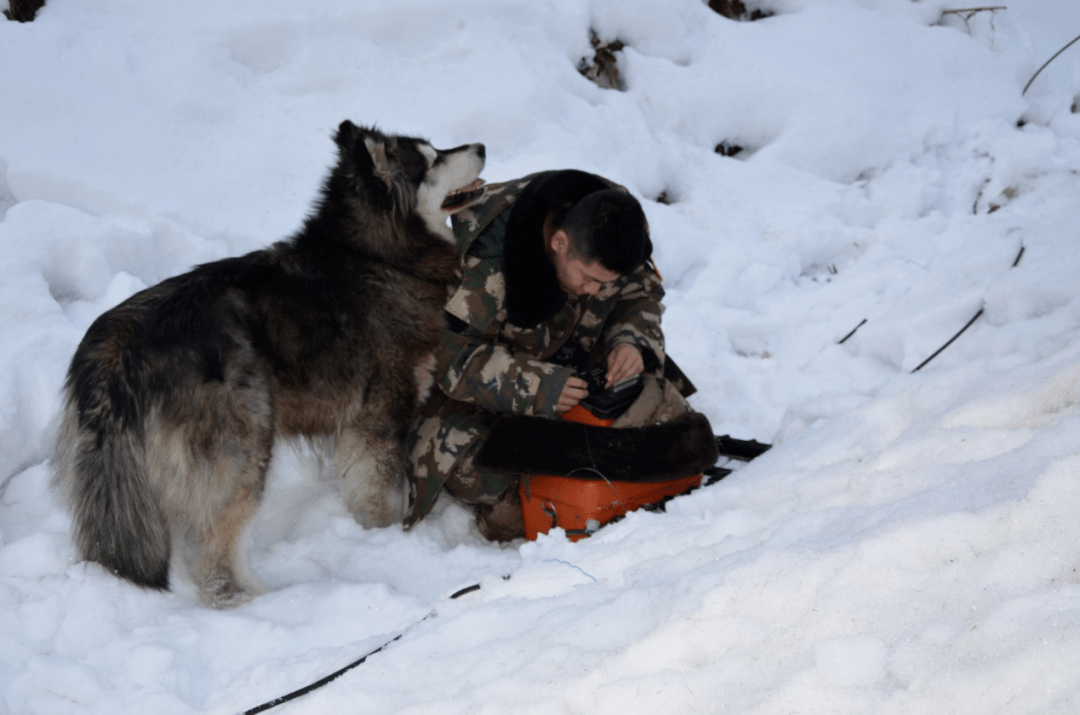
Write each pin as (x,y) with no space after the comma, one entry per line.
(573,392)
(623,362)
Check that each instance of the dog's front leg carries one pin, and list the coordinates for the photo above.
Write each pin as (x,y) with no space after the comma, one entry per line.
(371,464)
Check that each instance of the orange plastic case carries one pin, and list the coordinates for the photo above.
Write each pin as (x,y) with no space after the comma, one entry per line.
(549,501)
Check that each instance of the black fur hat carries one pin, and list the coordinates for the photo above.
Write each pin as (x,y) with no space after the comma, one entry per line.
(532,289)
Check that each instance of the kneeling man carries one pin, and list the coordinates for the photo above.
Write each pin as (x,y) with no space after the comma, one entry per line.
(554,265)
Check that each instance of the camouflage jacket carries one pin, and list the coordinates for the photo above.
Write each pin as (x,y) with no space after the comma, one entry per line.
(489,361)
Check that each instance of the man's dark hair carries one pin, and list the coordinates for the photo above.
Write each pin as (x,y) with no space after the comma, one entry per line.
(608,226)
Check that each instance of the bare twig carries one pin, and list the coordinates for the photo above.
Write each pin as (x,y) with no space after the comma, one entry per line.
(969,11)
(969,323)
(923,363)
(844,339)
(1019,256)
(1070,44)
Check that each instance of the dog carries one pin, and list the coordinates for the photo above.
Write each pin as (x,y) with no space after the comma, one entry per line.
(175,399)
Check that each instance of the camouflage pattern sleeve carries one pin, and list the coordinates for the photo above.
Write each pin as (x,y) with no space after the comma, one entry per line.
(489,376)
(635,319)
(474,364)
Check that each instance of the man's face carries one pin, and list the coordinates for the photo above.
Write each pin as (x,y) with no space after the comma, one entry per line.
(574,275)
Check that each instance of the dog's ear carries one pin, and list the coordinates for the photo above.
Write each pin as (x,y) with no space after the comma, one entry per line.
(380,164)
(346,134)
(369,153)
(348,138)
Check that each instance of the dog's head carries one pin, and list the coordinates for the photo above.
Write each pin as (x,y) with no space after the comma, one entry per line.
(407,176)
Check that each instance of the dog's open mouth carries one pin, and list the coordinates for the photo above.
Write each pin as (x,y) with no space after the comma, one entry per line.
(465,196)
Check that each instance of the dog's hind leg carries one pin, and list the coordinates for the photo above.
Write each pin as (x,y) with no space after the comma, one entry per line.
(220,567)
(214,457)
(211,479)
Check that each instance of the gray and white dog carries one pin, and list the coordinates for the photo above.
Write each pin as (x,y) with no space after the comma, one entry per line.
(176,397)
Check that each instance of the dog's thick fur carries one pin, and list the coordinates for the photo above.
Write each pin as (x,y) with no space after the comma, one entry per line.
(176,397)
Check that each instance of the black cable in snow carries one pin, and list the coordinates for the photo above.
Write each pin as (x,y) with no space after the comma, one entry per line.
(338,673)
(318,683)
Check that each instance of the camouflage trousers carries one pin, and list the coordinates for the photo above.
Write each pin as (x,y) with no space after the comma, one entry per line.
(441,448)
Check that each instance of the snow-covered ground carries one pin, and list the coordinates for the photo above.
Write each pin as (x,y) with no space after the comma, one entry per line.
(910,545)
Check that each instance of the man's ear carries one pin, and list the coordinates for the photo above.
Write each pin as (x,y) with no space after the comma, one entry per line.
(560,242)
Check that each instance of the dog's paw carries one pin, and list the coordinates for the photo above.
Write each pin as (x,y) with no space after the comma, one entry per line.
(378,516)
(220,590)
(373,501)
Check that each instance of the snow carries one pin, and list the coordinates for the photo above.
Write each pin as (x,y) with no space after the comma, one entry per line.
(909,545)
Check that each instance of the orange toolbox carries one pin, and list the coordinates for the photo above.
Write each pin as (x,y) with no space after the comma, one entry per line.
(582,505)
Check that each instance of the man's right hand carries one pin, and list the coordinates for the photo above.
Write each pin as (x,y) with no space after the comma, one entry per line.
(573,392)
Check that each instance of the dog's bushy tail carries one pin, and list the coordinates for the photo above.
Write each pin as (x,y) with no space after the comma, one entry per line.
(101,468)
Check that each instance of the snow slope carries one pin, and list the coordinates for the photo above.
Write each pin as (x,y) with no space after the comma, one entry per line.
(909,544)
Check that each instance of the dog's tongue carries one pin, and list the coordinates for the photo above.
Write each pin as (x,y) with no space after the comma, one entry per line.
(473,186)
(457,200)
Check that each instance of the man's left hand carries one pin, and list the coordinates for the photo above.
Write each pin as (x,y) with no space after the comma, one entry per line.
(623,362)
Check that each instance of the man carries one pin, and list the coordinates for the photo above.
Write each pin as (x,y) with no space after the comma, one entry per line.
(553,265)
